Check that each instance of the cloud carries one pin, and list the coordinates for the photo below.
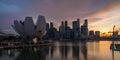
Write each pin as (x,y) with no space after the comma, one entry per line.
(93,10)
(96,11)
(107,10)
(110,10)
(8,8)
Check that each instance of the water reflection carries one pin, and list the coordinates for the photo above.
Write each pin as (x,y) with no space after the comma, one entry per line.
(30,54)
(1,52)
(11,52)
(75,50)
(63,51)
(52,48)
(112,54)
(84,50)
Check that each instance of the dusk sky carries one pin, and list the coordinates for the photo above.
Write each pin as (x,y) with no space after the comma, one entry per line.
(101,14)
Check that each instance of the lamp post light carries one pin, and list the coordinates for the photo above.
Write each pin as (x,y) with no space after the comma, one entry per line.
(113,34)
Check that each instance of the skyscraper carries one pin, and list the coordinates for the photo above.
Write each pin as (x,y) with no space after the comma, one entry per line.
(78,22)
(66,25)
(47,27)
(76,28)
(84,29)
(46,36)
(51,31)
(68,33)
(62,30)
(97,34)
(86,23)
(91,33)
(51,25)
(65,30)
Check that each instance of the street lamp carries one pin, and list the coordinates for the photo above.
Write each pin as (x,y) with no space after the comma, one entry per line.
(113,34)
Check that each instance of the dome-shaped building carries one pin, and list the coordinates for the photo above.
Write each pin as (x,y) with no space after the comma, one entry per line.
(28,29)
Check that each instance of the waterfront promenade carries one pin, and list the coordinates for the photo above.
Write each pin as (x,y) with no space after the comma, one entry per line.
(11,45)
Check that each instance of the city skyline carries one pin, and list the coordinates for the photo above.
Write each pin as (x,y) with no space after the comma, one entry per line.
(102,15)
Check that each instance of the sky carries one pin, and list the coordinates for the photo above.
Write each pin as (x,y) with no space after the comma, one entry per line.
(102,15)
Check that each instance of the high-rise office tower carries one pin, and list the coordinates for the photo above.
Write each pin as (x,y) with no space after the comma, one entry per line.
(97,33)
(74,23)
(62,29)
(62,23)
(51,25)
(76,28)
(51,31)
(84,28)
(91,33)
(47,27)
(86,23)
(78,22)
(66,25)
(68,33)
